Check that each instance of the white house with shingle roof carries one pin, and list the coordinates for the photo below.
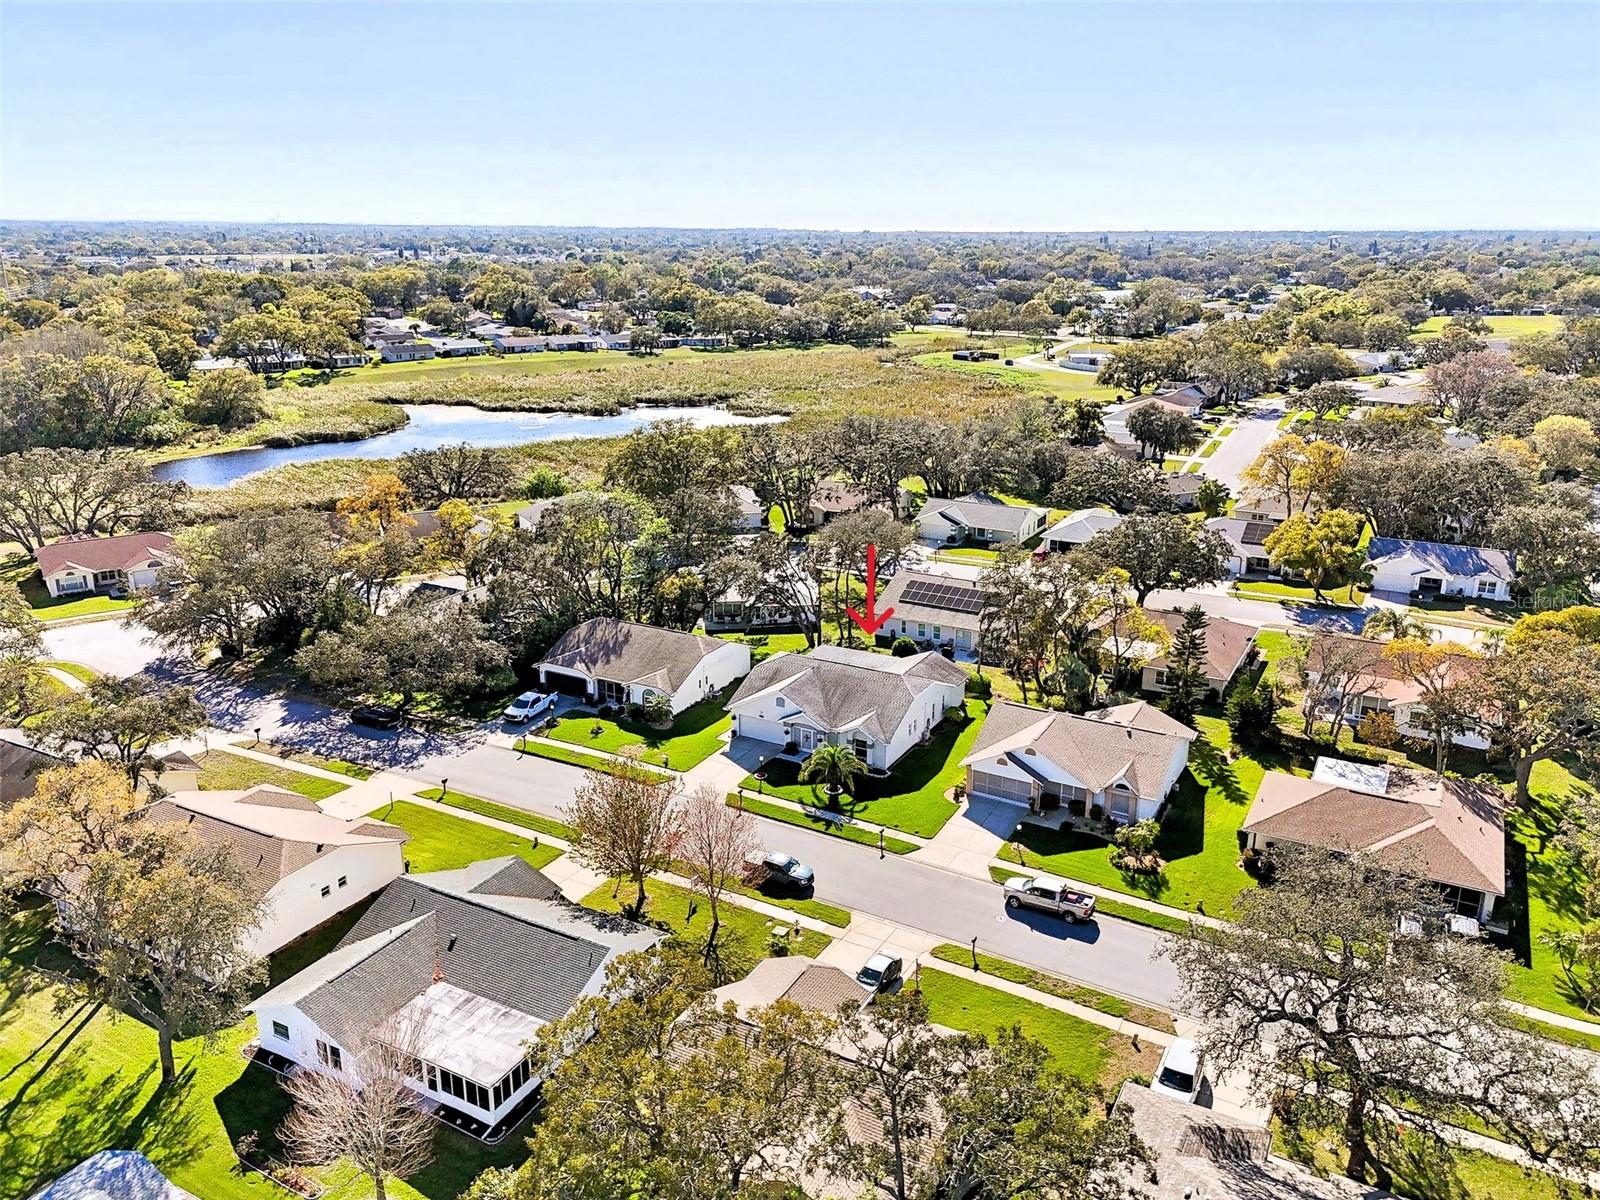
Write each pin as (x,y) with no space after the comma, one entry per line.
(1077,527)
(1449,831)
(1126,759)
(607,661)
(304,865)
(80,565)
(979,517)
(877,705)
(457,969)
(1407,567)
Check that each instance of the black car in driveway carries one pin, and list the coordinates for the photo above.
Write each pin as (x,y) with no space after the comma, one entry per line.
(376,716)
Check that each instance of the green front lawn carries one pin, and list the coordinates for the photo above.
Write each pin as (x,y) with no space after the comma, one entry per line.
(744,938)
(574,758)
(1350,595)
(221,771)
(500,812)
(440,842)
(850,833)
(1089,1052)
(1065,989)
(912,797)
(77,1078)
(694,735)
(1199,834)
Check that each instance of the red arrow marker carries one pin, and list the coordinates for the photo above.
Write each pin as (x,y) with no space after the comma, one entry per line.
(873,621)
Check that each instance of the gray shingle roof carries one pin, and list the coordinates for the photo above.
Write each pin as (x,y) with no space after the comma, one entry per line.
(1439,556)
(497,929)
(893,596)
(838,688)
(979,511)
(621,651)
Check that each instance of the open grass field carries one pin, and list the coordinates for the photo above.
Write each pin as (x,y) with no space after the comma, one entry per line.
(1350,595)
(440,842)
(1055,381)
(1498,326)
(76,1078)
(1199,835)
(694,735)
(745,936)
(1088,1052)
(221,771)
(912,798)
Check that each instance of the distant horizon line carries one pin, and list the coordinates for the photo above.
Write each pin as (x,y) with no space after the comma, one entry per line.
(1325,231)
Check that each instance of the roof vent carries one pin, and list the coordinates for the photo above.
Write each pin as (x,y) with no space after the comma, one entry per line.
(319,847)
(452,943)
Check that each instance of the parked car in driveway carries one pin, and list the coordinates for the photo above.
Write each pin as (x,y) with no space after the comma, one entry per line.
(376,716)
(881,973)
(779,869)
(528,706)
(1048,894)
(1179,1073)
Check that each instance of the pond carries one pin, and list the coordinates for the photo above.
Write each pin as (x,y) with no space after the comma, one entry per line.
(430,426)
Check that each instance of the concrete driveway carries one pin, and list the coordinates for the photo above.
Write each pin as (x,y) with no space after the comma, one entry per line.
(112,647)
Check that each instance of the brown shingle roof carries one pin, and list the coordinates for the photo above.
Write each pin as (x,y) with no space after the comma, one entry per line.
(1451,831)
(1141,747)
(1227,642)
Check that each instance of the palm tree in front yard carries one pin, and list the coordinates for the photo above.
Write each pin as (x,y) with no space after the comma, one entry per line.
(835,767)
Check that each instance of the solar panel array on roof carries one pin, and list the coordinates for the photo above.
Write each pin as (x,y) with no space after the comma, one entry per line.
(1257,532)
(949,596)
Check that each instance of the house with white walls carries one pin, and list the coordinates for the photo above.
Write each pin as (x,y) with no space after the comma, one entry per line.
(607,661)
(877,705)
(456,971)
(1423,569)
(1124,760)
(303,865)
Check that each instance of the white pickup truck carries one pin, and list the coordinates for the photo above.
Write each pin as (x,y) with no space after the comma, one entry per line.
(1049,894)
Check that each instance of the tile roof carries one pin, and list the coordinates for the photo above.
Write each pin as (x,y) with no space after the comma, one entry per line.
(1442,557)
(1451,831)
(268,832)
(624,652)
(496,929)
(1144,753)
(837,688)
(89,553)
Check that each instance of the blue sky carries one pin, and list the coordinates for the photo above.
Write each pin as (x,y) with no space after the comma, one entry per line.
(888,116)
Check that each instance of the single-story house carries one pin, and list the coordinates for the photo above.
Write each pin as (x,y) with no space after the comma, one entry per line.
(278,359)
(529,516)
(877,705)
(1247,553)
(749,513)
(114,1175)
(339,361)
(608,661)
(1258,506)
(1449,831)
(1229,646)
(405,351)
(518,345)
(1184,488)
(1124,760)
(1083,360)
(834,497)
(1435,568)
(946,314)
(1387,689)
(1077,527)
(979,517)
(618,341)
(793,602)
(378,338)
(1379,362)
(79,565)
(703,341)
(936,611)
(1181,391)
(305,866)
(458,970)
(449,347)
(1180,402)
(1198,1153)
(1396,393)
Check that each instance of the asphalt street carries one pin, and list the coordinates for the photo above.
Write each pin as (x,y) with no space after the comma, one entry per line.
(1113,955)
